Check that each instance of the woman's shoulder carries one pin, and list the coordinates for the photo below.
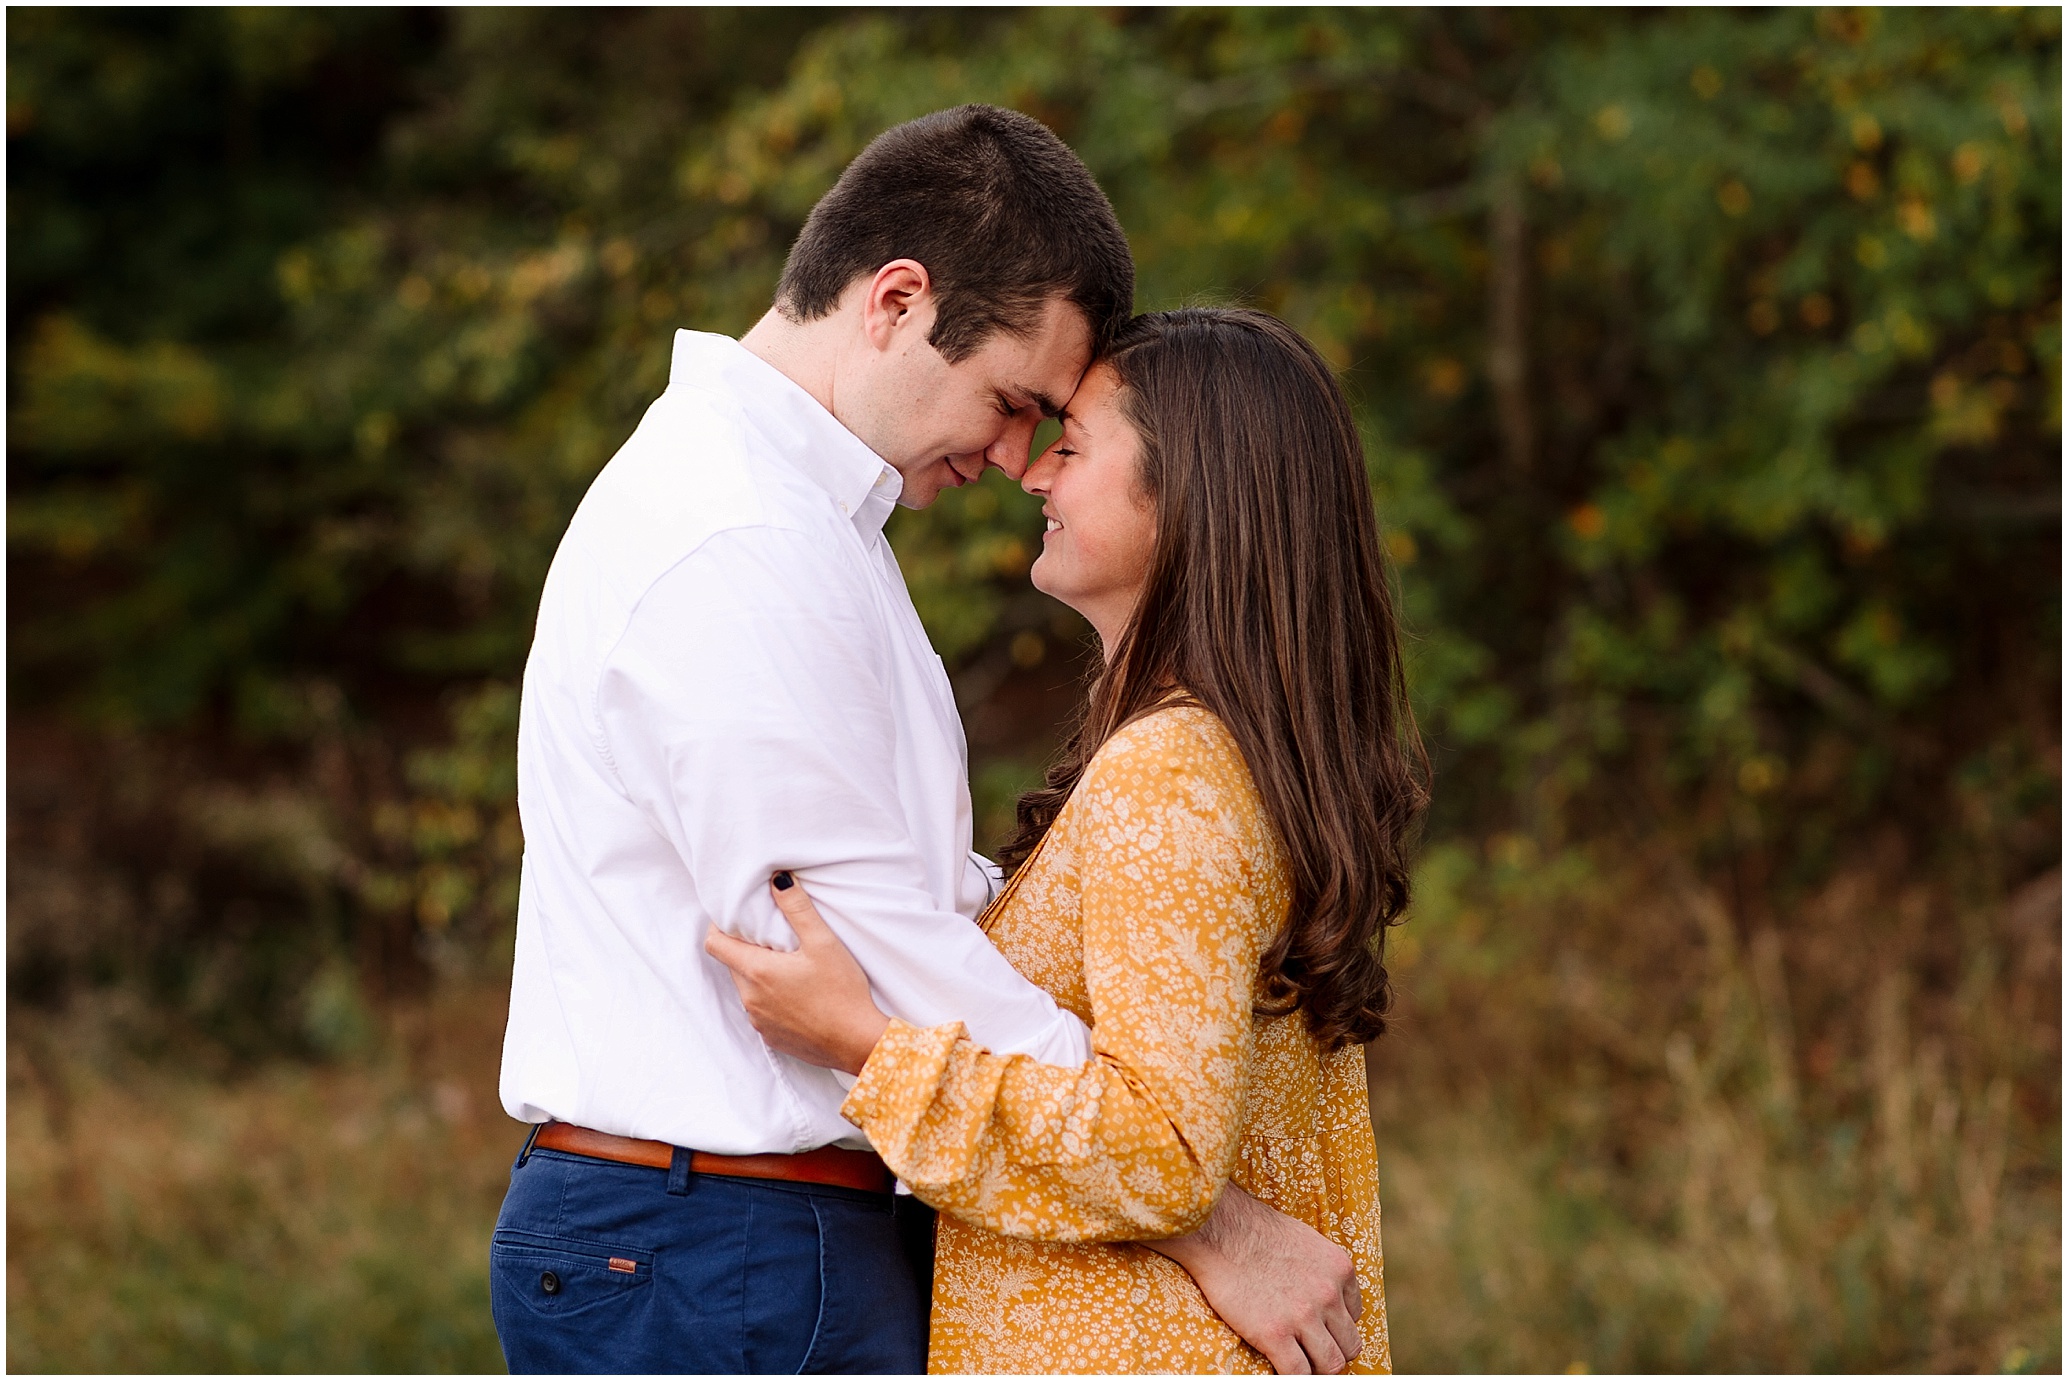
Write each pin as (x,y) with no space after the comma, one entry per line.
(1177,743)
(1177,774)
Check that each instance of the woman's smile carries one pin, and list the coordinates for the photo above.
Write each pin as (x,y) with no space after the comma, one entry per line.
(1093,468)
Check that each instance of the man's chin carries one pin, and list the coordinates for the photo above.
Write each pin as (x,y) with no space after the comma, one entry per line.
(919,493)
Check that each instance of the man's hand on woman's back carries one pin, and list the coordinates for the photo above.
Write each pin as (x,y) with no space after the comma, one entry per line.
(1289,1292)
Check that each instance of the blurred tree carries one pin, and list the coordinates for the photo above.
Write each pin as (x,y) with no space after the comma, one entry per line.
(1710,362)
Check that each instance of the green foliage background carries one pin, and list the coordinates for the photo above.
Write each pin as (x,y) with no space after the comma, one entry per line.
(1709,363)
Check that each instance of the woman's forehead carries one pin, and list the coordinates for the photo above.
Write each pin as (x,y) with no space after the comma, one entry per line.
(1096,392)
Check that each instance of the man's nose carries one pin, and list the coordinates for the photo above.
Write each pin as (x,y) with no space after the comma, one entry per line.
(1009,451)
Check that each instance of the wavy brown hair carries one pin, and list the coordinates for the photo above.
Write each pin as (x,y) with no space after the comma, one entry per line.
(1267,602)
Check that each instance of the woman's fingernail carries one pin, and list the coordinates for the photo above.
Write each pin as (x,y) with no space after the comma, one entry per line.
(783,880)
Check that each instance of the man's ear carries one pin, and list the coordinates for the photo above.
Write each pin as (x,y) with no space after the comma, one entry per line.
(897,300)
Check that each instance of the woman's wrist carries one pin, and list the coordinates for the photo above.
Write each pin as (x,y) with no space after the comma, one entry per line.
(868,1034)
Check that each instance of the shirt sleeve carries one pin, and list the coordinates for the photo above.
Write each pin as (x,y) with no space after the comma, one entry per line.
(1180,891)
(746,711)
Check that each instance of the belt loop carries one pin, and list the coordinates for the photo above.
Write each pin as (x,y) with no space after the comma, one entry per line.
(529,1137)
(678,1172)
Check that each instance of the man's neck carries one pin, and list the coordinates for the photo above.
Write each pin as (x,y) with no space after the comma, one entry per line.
(800,351)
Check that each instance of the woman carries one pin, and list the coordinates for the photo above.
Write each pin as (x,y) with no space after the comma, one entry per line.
(1205,878)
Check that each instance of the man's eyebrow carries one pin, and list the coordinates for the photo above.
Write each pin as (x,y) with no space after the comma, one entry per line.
(1048,405)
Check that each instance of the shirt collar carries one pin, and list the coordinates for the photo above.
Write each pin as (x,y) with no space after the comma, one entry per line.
(799,430)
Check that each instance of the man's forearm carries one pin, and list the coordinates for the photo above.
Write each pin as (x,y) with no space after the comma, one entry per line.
(1207,1244)
(1285,1289)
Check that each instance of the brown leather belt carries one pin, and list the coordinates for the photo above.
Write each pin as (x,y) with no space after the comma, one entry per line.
(834,1165)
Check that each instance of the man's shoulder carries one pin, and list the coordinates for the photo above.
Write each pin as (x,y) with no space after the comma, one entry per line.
(688,500)
(688,459)
(694,468)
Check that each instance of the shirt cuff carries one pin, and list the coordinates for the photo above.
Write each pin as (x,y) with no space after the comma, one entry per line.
(993,876)
(902,1075)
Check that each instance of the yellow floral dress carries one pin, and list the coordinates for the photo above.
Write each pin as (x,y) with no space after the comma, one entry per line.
(1145,911)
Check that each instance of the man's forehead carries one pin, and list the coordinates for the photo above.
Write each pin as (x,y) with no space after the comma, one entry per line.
(1045,368)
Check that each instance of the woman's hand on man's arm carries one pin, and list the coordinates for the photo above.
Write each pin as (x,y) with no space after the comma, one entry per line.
(812,1002)
(1286,1290)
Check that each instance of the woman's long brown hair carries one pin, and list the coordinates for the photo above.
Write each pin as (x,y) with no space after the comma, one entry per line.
(1267,602)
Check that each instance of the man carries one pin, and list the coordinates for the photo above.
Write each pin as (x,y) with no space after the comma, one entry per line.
(728,679)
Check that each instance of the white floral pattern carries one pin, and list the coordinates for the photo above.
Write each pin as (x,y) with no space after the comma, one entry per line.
(1145,911)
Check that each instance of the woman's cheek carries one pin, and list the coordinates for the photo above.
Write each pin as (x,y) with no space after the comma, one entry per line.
(1109,557)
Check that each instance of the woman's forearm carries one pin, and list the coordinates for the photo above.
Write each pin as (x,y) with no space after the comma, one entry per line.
(1033,1150)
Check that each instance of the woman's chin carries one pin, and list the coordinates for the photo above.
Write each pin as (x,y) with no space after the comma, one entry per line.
(1044,581)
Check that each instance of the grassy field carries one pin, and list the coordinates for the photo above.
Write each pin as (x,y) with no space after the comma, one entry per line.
(289,1219)
(1604,1146)
(1620,1135)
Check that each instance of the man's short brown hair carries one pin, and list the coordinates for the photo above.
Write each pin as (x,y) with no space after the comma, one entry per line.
(1001,212)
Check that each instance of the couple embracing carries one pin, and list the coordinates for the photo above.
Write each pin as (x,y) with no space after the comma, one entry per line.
(761,979)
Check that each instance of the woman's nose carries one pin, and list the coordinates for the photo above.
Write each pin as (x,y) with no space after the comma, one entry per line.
(1040,471)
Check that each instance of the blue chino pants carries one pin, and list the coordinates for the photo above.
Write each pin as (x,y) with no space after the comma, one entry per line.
(602,1267)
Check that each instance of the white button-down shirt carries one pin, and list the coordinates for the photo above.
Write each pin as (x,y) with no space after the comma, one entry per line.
(728,678)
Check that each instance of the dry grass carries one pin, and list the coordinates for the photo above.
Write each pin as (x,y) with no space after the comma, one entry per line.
(1619,1128)
(1617,1136)
(298,1219)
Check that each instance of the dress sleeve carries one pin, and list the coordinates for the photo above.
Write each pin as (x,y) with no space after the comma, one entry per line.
(1180,890)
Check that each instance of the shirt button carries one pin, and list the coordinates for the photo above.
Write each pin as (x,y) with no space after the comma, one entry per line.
(550,1283)
(843,506)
